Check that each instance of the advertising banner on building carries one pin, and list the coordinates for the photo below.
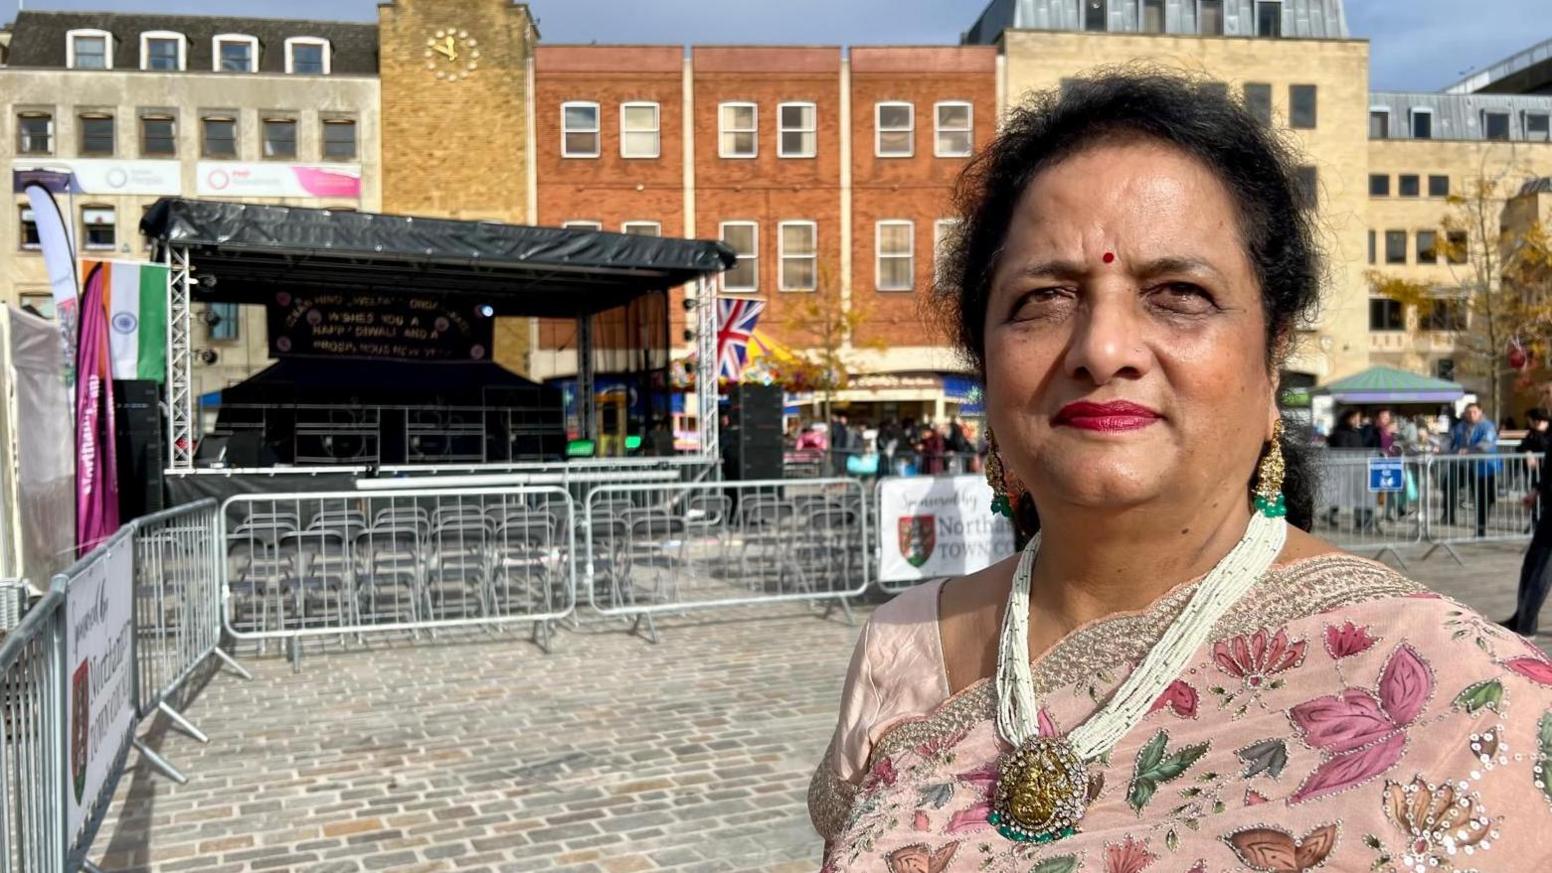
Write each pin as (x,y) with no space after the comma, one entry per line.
(272,179)
(100,682)
(931,526)
(108,176)
(402,327)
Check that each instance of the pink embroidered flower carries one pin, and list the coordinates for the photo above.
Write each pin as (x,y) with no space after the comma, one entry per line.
(1347,640)
(1537,670)
(1180,697)
(1255,657)
(1128,857)
(883,771)
(983,782)
(1254,797)
(920,821)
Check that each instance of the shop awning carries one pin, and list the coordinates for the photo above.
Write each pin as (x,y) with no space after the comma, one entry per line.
(1389,385)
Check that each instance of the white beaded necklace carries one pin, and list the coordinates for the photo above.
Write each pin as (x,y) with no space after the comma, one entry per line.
(1043,787)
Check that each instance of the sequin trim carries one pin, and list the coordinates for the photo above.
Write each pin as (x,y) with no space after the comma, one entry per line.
(829,797)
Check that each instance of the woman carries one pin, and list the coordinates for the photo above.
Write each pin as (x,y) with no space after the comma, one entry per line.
(1172,677)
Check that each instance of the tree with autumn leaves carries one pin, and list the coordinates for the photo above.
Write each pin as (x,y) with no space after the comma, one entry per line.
(1503,274)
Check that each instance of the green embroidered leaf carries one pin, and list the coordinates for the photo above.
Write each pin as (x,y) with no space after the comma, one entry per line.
(1152,753)
(1371,841)
(1544,735)
(1267,756)
(1483,695)
(1172,840)
(1177,763)
(1140,793)
(1059,864)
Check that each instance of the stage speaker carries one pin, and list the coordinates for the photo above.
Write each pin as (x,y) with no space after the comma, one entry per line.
(139,446)
(751,442)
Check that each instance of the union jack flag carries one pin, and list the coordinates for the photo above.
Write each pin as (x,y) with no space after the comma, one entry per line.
(736,318)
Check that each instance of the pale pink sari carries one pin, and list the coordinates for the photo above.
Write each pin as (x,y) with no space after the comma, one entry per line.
(1341,719)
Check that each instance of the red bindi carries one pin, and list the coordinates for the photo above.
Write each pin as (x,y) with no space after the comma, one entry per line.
(1109,257)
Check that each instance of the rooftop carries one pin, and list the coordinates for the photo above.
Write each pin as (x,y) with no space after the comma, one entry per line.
(1524,72)
(1304,19)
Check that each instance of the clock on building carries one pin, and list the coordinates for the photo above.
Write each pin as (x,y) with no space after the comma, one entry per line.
(452,54)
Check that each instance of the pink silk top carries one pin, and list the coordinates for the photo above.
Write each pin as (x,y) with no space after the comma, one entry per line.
(1341,718)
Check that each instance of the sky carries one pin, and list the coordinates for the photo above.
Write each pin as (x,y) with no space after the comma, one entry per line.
(1415,45)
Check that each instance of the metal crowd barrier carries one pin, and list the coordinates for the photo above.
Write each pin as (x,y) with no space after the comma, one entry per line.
(310,565)
(1482,498)
(32,739)
(671,547)
(177,610)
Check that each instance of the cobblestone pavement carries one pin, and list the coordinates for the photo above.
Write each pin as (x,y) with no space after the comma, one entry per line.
(609,754)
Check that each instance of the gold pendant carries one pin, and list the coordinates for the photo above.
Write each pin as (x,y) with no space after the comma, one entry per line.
(1042,791)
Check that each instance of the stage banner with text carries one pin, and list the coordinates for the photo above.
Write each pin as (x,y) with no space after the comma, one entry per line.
(101,681)
(931,526)
(400,327)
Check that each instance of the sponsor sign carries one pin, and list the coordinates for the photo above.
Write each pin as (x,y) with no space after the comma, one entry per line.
(108,176)
(101,670)
(272,179)
(932,526)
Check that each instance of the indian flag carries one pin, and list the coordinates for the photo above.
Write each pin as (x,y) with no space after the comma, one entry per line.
(137,317)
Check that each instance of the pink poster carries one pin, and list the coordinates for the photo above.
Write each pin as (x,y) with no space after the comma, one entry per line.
(97,490)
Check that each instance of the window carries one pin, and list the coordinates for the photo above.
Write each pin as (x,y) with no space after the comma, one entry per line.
(579,130)
(953,129)
(1152,16)
(158,136)
(280,138)
(1379,185)
(34,133)
(1258,101)
(1269,18)
(40,302)
(1408,185)
(89,49)
(100,227)
(1495,125)
(1444,368)
(639,130)
(1301,106)
(29,225)
(1422,124)
(162,50)
(1379,124)
(1372,236)
(1094,15)
(582,225)
(1459,248)
(894,125)
(1309,186)
(96,134)
(738,126)
(1446,313)
(1214,90)
(743,237)
(234,53)
(896,246)
(1538,126)
(1395,246)
(220,137)
(798,243)
(1386,314)
(942,233)
(225,321)
(1427,247)
(796,137)
(307,56)
(642,228)
(339,139)
(1438,186)
(1209,17)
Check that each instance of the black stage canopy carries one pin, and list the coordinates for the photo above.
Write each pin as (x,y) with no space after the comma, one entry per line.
(250,250)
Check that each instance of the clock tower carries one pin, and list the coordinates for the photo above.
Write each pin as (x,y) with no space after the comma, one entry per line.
(455,94)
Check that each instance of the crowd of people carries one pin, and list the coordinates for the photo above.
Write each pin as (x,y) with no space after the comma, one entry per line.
(893,447)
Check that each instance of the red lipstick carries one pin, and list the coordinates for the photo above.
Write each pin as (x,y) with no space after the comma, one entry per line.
(1113,416)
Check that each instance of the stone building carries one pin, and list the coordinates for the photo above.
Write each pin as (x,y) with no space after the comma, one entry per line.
(146,106)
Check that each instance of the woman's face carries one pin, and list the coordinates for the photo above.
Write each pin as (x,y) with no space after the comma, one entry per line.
(1124,280)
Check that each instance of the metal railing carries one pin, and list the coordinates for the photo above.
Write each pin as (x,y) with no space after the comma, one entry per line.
(32,739)
(653,548)
(372,562)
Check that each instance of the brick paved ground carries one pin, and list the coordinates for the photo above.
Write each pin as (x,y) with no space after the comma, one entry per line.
(610,754)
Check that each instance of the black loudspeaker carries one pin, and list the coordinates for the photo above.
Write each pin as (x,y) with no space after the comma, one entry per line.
(751,442)
(139,446)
